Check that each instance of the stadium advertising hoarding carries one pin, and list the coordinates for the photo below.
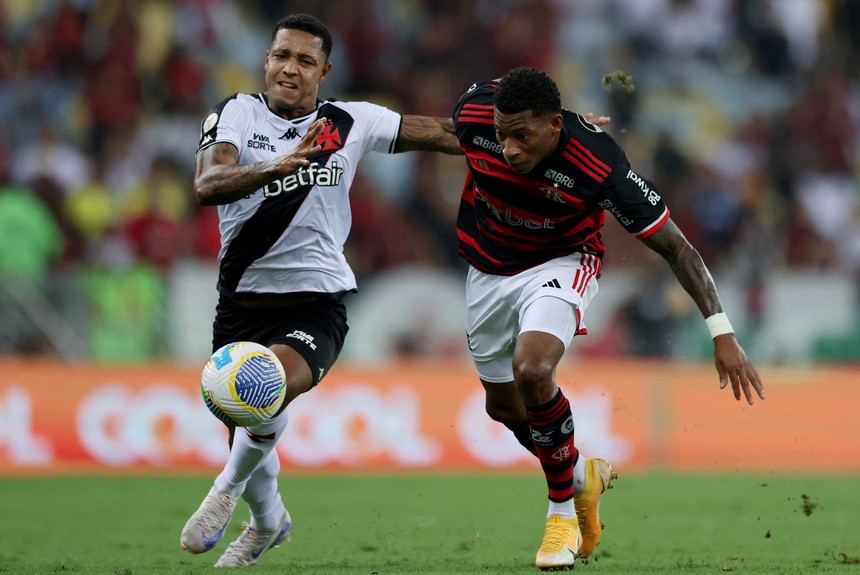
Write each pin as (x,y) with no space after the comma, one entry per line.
(57,418)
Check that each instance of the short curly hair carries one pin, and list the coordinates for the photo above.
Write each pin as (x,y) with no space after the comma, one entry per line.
(524,89)
(306,23)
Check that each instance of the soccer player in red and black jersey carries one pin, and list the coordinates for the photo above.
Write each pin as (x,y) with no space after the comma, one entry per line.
(541,181)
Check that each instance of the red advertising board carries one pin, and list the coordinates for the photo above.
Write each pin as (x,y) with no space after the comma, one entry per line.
(57,418)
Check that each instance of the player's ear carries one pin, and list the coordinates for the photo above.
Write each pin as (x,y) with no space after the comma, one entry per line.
(556,123)
(325,70)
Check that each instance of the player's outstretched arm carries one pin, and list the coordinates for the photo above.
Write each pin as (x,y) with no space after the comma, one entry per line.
(423,133)
(220,179)
(731,361)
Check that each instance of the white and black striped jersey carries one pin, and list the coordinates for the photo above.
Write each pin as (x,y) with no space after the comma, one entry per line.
(288,236)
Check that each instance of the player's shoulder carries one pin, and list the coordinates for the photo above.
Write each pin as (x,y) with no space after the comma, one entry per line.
(240,100)
(355,108)
(590,136)
(235,107)
(482,90)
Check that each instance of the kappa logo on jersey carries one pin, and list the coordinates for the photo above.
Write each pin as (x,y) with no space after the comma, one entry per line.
(312,175)
(261,142)
(330,138)
(290,134)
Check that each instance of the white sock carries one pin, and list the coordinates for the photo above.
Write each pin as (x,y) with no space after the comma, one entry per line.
(566,508)
(579,475)
(262,496)
(247,454)
(563,508)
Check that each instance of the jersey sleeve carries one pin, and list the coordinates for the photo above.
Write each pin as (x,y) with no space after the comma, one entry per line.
(474,107)
(632,199)
(224,123)
(380,126)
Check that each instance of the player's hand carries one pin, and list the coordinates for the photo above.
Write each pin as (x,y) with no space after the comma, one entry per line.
(307,148)
(734,366)
(599,122)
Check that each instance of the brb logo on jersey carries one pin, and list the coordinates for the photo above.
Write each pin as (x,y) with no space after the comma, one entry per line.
(312,175)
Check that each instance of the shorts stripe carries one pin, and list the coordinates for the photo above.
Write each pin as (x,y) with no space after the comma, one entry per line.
(589,268)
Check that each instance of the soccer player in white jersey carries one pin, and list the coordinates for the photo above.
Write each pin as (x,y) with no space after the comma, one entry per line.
(279,166)
(541,181)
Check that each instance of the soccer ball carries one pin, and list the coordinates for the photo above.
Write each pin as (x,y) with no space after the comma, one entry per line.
(243,384)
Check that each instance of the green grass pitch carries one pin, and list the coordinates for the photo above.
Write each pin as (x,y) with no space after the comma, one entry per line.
(439,524)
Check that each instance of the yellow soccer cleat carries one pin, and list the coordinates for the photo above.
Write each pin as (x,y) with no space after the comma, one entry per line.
(560,545)
(598,478)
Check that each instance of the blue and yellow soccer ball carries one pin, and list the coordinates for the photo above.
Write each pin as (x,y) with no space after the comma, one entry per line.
(243,384)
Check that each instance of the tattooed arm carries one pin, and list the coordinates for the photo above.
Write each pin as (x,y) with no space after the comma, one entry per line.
(731,361)
(220,179)
(422,133)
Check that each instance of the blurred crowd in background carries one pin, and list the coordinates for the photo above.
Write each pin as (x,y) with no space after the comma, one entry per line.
(745,113)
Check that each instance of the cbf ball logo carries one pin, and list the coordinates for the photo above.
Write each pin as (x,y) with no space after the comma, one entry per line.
(258,381)
(243,384)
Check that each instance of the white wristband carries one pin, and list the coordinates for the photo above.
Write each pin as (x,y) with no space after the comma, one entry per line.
(718,324)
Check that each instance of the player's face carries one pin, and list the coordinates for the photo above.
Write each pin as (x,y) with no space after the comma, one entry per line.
(527,139)
(295,67)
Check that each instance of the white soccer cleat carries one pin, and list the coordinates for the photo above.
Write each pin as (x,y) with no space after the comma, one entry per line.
(251,544)
(207,525)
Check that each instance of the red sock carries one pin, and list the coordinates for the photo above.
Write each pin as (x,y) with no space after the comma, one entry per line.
(552,433)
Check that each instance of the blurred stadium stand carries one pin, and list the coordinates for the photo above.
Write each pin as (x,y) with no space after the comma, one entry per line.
(746,114)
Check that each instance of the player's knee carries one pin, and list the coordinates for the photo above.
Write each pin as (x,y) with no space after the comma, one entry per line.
(534,379)
(529,373)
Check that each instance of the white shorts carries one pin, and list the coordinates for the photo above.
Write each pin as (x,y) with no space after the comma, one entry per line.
(549,298)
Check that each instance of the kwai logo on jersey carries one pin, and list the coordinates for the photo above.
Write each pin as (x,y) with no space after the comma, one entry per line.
(650,195)
(330,138)
(312,175)
(610,207)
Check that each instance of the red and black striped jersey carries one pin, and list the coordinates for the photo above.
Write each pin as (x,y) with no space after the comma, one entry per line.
(510,222)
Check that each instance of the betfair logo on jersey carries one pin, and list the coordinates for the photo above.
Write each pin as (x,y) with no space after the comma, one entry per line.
(312,175)
(559,178)
(260,142)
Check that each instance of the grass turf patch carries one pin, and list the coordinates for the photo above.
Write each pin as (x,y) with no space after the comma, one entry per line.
(438,524)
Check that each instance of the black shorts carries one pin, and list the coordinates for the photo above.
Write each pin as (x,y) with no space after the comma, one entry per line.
(312,324)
